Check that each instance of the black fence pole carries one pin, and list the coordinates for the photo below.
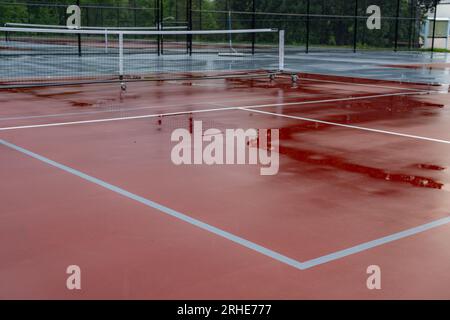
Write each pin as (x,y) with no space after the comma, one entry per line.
(308,7)
(79,35)
(397,18)
(186,4)
(200,8)
(161,19)
(189,14)
(415,41)
(161,13)
(61,16)
(158,26)
(134,13)
(410,28)
(355,34)
(253,25)
(227,15)
(434,25)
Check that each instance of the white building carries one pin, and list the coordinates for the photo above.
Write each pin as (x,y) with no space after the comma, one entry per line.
(442,31)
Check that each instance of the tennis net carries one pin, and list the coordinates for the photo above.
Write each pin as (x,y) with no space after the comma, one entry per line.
(102,40)
(51,56)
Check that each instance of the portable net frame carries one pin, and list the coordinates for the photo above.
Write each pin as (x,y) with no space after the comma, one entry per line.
(41,56)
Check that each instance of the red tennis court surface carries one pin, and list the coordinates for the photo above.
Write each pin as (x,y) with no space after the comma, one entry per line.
(87,180)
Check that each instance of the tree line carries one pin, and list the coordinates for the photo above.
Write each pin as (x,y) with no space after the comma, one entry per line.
(320,22)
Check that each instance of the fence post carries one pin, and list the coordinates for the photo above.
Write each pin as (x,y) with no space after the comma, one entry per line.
(253,25)
(308,7)
(158,25)
(200,8)
(79,35)
(397,18)
(134,13)
(161,19)
(355,35)
(190,23)
(434,26)
(410,29)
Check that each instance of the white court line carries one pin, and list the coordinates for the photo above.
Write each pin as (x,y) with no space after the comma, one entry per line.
(236,98)
(366,84)
(275,255)
(404,135)
(69,114)
(283,104)
(58,124)
(287,104)
(83,113)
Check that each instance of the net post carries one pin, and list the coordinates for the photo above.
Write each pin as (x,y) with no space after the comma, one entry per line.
(281,50)
(121,56)
(106,40)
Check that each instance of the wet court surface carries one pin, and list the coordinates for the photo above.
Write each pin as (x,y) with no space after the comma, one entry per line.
(423,67)
(87,179)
